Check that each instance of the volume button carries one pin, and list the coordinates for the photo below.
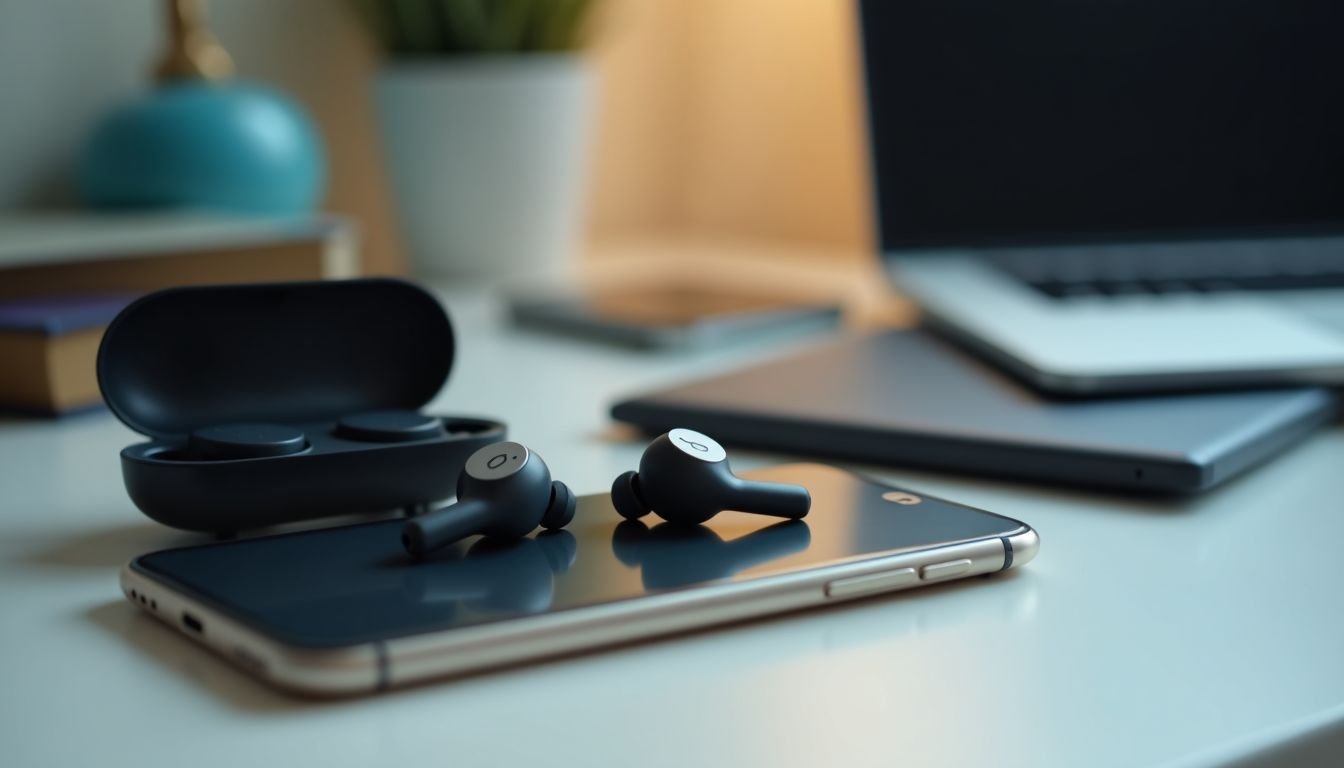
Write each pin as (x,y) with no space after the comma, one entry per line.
(870,584)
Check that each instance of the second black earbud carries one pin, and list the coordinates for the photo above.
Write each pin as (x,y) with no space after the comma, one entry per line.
(505,491)
(226,442)
(684,477)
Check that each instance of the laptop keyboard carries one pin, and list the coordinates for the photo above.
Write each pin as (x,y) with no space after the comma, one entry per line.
(1204,268)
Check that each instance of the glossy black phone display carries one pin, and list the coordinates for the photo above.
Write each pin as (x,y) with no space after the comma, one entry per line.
(344,586)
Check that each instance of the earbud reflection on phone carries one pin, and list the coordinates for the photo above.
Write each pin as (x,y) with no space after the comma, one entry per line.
(671,555)
(495,575)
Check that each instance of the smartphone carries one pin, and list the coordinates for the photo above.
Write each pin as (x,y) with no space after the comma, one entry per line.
(671,315)
(345,610)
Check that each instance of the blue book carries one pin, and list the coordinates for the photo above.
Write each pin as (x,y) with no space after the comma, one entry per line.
(59,315)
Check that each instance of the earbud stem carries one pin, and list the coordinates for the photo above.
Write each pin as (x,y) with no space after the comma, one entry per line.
(434,530)
(774,499)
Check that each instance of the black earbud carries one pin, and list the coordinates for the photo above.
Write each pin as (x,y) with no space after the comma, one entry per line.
(227,442)
(504,491)
(390,427)
(684,477)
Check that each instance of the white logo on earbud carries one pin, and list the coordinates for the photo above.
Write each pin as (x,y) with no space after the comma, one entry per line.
(701,447)
(692,443)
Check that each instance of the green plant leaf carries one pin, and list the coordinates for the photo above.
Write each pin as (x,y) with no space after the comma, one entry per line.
(466,27)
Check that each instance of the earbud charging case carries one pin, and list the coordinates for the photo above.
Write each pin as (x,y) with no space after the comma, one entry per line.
(345,365)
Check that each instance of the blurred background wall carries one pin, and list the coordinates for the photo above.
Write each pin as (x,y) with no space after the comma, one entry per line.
(722,120)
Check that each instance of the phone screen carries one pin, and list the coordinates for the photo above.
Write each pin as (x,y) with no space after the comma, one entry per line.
(344,586)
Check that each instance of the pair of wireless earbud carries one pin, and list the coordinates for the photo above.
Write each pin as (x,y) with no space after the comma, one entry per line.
(506,490)
(259,440)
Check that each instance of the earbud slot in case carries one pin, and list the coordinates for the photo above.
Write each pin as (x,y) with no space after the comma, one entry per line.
(270,404)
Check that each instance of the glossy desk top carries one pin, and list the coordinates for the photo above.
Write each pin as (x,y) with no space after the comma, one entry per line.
(1146,632)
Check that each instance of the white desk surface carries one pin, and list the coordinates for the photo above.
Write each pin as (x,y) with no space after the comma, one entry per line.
(1147,632)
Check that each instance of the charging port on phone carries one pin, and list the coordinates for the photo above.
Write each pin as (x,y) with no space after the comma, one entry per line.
(192,623)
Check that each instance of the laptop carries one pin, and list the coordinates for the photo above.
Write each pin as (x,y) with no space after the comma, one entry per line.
(1114,197)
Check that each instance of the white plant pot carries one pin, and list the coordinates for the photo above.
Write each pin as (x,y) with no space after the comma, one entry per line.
(487,158)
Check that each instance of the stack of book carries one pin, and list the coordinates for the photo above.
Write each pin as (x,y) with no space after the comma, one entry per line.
(64,277)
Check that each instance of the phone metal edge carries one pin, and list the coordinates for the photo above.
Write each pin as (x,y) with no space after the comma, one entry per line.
(313,672)
(418,658)
(1024,544)
(377,665)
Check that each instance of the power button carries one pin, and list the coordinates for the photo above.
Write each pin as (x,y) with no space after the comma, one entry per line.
(946,570)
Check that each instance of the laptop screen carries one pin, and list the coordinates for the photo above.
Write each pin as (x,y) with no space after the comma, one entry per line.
(1032,121)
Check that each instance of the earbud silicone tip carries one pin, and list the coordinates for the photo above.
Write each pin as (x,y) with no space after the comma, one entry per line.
(625,496)
(561,508)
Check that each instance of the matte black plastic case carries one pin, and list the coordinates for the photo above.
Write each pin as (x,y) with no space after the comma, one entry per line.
(346,363)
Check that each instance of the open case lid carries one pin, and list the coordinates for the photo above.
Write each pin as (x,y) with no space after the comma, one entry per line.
(185,358)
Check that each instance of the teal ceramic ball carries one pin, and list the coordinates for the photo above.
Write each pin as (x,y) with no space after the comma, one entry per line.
(201,145)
